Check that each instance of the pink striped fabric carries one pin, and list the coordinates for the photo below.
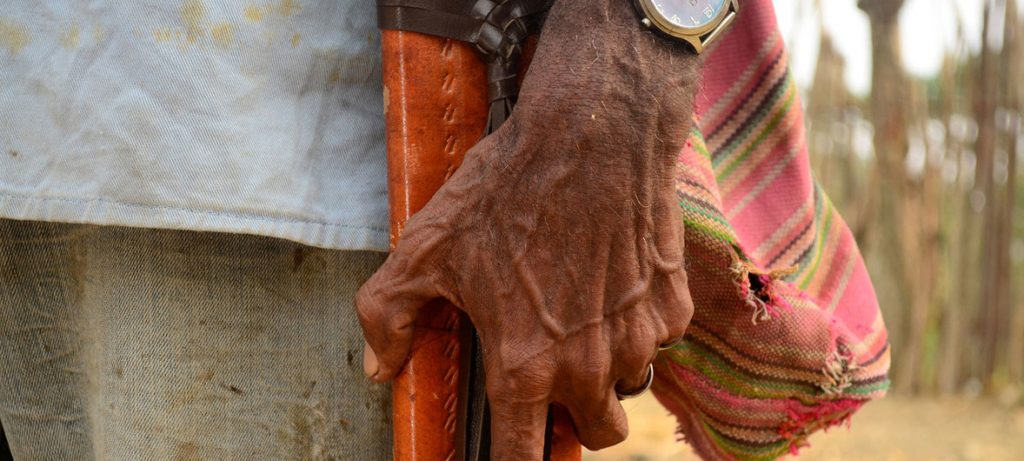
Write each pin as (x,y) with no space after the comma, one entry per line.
(787,337)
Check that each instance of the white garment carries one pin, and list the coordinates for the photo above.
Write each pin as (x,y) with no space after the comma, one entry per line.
(246,116)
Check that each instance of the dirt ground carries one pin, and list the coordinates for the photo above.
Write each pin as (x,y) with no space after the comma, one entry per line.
(893,429)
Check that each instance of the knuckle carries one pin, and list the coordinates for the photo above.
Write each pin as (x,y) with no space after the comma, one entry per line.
(677,328)
(675,332)
(518,384)
(604,432)
(379,311)
(364,306)
(367,303)
(400,324)
(586,380)
(681,290)
(676,310)
(637,356)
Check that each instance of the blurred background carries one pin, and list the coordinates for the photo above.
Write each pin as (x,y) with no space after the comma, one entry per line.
(914,118)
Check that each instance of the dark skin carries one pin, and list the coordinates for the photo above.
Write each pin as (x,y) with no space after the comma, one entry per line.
(560,235)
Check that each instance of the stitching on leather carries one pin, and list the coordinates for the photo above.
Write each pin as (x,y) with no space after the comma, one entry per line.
(448,84)
(453,349)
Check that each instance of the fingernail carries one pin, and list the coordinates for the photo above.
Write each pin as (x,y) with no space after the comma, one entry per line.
(370,364)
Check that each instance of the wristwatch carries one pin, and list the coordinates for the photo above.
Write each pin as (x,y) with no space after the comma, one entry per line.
(697,22)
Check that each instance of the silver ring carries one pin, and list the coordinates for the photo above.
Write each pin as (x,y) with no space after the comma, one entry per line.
(671,344)
(638,392)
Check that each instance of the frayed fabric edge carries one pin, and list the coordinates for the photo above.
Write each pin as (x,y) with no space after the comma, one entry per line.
(761,289)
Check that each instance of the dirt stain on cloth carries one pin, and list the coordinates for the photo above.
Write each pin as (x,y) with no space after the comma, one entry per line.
(309,433)
(14,36)
(253,13)
(223,33)
(288,7)
(70,38)
(257,13)
(192,14)
(187,452)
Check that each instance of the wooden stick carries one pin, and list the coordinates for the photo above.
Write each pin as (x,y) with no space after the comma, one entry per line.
(435,104)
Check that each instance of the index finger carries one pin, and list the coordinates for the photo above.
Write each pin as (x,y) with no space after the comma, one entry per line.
(518,429)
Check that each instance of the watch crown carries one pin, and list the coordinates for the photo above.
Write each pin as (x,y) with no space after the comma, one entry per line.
(646,22)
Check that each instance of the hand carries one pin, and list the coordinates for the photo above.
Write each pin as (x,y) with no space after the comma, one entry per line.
(560,235)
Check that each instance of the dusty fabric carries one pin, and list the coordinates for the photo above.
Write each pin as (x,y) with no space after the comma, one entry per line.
(123,344)
(786,337)
(237,116)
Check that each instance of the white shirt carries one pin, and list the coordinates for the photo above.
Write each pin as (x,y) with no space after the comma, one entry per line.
(247,116)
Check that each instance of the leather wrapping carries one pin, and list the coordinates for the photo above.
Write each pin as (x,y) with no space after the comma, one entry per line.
(498,29)
(436,107)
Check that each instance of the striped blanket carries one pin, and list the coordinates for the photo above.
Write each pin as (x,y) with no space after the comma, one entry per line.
(787,337)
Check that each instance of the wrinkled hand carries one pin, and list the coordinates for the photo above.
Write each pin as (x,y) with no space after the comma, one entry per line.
(560,235)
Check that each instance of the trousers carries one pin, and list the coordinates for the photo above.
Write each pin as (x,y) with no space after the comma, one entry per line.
(121,343)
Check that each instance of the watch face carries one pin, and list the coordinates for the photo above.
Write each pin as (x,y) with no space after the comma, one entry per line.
(690,14)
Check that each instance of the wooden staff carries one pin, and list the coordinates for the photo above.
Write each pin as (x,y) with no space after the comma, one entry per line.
(435,105)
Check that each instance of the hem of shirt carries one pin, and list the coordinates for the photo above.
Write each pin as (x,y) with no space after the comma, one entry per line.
(108,212)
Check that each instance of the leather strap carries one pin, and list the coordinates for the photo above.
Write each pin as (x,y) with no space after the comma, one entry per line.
(497,28)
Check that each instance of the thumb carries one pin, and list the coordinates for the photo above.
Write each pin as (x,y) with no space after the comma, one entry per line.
(370,363)
(388,305)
